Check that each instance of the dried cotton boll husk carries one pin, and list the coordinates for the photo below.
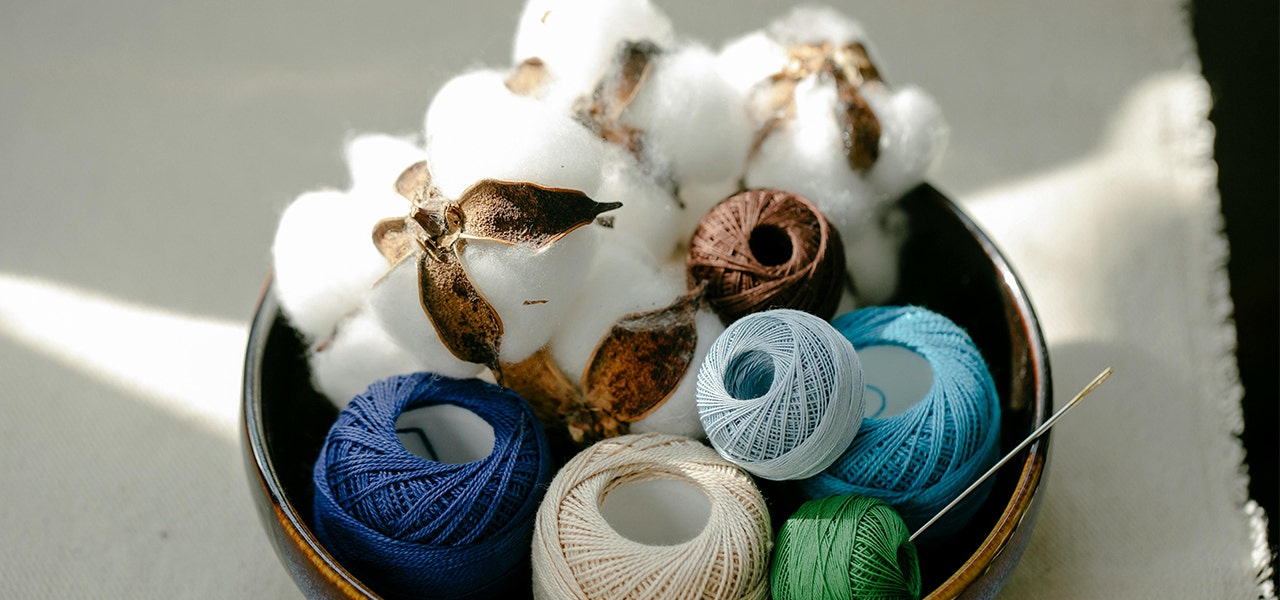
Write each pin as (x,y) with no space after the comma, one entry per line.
(324,260)
(649,215)
(576,40)
(395,306)
(477,129)
(693,122)
(532,290)
(361,353)
(749,60)
(913,135)
(679,414)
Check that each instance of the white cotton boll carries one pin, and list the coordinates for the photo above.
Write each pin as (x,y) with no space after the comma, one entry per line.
(649,213)
(531,291)
(806,156)
(395,305)
(871,250)
(679,414)
(324,259)
(747,61)
(477,129)
(815,25)
(360,354)
(913,135)
(577,39)
(693,121)
(623,279)
(375,161)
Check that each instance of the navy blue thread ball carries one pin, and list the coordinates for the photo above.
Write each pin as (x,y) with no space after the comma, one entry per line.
(412,527)
(920,460)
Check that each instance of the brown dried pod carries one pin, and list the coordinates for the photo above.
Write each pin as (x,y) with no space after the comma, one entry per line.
(602,111)
(414,182)
(640,362)
(767,248)
(849,67)
(528,77)
(558,402)
(854,60)
(514,212)
(859,127)
(467,324)
(543,384)
(437,230)
(634,369)
(394,240)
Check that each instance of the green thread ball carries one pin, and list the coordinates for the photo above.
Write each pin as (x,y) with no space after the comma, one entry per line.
(844,547)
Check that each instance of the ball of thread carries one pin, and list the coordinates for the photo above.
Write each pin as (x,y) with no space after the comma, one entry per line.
(920,460)
(578,555)
(412,527)
(780,393)
(844,547)
(767,248)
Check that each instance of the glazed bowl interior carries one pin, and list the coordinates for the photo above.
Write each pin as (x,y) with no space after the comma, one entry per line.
(947,265)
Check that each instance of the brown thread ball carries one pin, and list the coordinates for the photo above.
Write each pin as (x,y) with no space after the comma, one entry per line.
(767,248)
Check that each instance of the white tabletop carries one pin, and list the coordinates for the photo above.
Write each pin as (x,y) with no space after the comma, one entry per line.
(148,148)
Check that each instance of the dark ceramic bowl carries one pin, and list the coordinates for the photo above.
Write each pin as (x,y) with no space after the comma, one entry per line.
(948,265)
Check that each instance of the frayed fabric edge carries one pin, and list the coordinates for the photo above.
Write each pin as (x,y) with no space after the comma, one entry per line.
(1196,149)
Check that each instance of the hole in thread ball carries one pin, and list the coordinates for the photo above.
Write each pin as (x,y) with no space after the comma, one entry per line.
(770,245)
(445,433)
(750,375)
(897,379)
(657,512)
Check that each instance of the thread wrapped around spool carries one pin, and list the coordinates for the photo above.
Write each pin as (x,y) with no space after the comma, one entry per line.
(579,554)
(844,547)
(781,394)
(921,459)
(767,248)
(414,527)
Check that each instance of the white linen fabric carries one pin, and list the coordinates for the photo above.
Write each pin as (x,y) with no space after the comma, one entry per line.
(147,150)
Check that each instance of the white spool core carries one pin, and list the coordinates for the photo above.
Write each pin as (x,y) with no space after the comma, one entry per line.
(445,433)
(896,379)
(657,512)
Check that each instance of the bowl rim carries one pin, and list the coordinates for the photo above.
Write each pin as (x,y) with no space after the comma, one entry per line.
(263,470)
(1019,507)
(1016,513)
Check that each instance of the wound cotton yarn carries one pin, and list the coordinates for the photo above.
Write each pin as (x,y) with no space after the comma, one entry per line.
(579,555)
(845,547)
(920,460)
(413,527)
(780,393)
(767,248)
